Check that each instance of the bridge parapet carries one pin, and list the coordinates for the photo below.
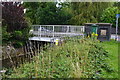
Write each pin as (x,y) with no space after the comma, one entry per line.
(56,30)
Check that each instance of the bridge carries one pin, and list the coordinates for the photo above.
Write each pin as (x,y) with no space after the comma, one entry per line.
(51,33)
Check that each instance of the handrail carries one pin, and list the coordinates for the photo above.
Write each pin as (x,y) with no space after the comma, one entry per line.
(57,30)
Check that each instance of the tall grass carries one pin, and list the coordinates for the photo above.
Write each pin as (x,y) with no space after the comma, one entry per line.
(77,58)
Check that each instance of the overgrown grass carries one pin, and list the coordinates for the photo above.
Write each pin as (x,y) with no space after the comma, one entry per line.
(81,58)
(112,48)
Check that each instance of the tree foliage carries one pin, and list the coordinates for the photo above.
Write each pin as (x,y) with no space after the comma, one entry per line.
(15,26)
(109,15)
(87,12)
(74,13)
(13,16)
(48,13)
(31,9)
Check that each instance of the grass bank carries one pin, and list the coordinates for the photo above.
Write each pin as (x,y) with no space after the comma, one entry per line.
(112,48)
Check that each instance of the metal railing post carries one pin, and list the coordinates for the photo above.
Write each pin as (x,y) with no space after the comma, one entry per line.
(53,31)
(68,28)
(40,32)
(83,30)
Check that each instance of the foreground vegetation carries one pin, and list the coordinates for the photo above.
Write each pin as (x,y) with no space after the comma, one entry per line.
(84,58)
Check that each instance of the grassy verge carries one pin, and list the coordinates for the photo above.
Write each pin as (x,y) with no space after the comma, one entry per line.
(112,48)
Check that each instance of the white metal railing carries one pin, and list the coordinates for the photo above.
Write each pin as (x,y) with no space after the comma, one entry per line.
(56,30)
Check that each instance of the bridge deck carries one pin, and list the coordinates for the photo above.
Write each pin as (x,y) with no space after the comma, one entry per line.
(46,39)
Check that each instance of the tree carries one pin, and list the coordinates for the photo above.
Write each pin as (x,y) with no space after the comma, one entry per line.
(109,15)
(87,12)
(48,12)
(13,16)
(117,4)
(15,26)
(64,13)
